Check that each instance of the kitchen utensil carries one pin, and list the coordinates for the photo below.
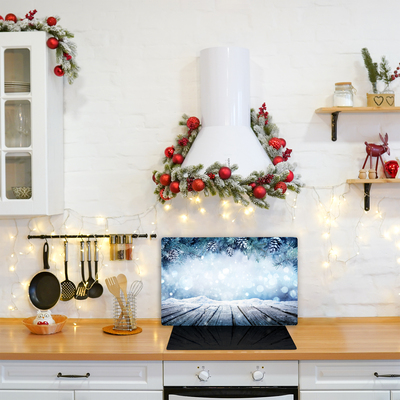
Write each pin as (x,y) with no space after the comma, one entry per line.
(44,288)
(123,284)
(97,289)
(135,288)
(115,289)
(81,290)
(68,288)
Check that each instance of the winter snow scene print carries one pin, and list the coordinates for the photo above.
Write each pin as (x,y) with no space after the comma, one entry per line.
(228,281)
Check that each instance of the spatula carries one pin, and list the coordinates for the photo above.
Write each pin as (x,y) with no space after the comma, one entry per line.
(115,290)
(68,287)
(123,284)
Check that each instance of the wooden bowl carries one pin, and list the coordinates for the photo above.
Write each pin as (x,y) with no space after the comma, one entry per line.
(60,321)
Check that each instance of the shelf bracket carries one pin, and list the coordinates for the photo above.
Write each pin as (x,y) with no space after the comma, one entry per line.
(367,191)
(335,117)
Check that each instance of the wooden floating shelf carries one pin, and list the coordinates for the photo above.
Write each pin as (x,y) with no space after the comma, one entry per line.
(335,111)
(330,110)
(367,187)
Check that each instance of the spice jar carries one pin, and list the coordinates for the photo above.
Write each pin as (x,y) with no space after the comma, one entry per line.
(343,95)
(120,247)
(128,247)
(113,247)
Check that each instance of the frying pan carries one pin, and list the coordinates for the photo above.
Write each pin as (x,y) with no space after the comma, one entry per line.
(45,288)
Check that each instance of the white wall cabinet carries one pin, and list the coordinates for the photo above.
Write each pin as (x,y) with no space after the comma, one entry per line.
(93,380)
(345,380)
(31,127)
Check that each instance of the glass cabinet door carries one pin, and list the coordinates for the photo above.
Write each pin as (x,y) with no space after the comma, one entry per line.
(17,123)
(18,176)
(17,67)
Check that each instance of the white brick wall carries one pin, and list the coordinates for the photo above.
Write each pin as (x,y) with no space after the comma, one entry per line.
(139,74)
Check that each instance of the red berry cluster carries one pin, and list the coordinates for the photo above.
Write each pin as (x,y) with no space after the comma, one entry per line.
(189,184)
(30,15)
(265,179)
(286,154)
(211,175)
(183,142)
(396,73)
(263,113)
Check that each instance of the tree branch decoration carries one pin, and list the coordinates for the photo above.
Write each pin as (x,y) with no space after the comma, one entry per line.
(60,40)
(218,178)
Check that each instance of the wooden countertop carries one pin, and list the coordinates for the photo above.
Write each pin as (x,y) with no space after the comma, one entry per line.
(315,338)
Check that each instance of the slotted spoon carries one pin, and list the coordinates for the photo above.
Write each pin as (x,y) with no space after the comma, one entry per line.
(68,288)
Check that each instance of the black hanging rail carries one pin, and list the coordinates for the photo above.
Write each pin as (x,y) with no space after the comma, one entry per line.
(134,236)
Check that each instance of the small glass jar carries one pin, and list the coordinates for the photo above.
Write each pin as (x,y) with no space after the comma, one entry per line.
(113,247)
(343,95)
(128,247)
(120,247)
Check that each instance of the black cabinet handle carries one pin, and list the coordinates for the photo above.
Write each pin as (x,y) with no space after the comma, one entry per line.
(386,376)
(60,375)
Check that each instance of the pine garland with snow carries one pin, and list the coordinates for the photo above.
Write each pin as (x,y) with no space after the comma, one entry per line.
(66,51)
(237,187)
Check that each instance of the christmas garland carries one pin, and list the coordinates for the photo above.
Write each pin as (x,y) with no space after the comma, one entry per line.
(65,48)
(218,178)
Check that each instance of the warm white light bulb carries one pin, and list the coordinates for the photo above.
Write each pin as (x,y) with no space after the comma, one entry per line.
(325,264)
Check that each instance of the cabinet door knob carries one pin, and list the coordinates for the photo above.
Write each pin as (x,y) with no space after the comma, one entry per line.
(60,375)
(386,376)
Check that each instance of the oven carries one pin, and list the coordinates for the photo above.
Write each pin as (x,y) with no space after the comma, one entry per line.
(201,380)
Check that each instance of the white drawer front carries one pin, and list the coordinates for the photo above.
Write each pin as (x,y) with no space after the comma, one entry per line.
(345,395)
(348,375)
(233,373)
(35,395)
(123,375)
(118,395)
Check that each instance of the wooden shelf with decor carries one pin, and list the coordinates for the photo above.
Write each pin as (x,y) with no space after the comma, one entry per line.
(367,187)
(335,111)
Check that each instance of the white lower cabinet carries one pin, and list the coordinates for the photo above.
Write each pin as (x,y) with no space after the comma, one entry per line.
(83,380)
(35,395)
(345,380)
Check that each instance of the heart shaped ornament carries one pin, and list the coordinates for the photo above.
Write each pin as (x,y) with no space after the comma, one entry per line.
(391,168)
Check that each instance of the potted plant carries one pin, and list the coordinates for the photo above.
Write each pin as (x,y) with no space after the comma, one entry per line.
(377,73)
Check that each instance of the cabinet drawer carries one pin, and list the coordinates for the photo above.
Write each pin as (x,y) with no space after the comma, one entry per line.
(345,395)
(118,395)
(122,375)
(349,375)
(35,395)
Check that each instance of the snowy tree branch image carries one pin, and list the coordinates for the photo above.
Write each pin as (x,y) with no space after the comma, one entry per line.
(229,281)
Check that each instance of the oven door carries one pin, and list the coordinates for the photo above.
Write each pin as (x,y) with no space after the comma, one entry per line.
(227,393)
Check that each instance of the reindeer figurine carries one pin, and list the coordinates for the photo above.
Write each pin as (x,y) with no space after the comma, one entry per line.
(376,150)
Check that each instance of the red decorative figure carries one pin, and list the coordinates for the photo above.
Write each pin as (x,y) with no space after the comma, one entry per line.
(376,150)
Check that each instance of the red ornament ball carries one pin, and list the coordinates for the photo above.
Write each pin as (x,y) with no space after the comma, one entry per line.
(281,185)
(253,185)
(1,18)
(11,17)
(174,187)
(165,179)
(193,123)
(283,142)
(58,70)
(277,160)
(289,177)
(161,195)
(154,179)
(225,173)
(67,56)
(51,21)
(52,43)
(275,143)
(259,192)
(391,168)
(177,159)
(198,185)
(169,151)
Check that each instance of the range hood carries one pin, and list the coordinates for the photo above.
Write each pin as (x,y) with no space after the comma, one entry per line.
(226,135)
